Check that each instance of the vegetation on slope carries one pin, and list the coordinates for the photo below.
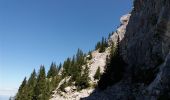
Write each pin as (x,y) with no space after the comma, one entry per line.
(39,86)
(97,74)
(114,68)
(101,45)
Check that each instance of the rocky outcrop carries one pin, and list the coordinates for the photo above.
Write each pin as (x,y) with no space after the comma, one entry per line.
(121,29)
(71,94)
(145,48)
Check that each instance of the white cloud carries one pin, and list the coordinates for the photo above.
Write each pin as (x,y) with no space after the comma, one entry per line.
(8,92)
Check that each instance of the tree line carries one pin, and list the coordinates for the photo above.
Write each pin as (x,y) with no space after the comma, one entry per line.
(73,67)
(39,86)
(101,45)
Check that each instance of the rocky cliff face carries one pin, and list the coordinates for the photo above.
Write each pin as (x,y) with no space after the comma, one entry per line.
(146,42)
(145,46)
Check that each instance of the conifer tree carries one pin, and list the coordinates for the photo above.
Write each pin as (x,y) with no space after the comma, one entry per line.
(59,67)
(98,45)
(23,84)
(41,89)
(21,95)
(80,57)
(53,71)
(90,55)
(49,88)
(101,45)
(52,83)
(97,74)
(31,85)
(66,68)
(73,69)
(55,81)
(77,64)
(83,80)
(114,68)
(86,76)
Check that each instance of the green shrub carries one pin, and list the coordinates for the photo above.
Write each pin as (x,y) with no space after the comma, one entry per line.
(63,86)
(97,74)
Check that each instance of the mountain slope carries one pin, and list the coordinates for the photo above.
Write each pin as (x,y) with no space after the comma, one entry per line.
(142,42)
(98,60)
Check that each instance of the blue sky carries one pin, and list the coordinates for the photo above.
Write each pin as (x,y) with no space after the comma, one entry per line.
(35,32)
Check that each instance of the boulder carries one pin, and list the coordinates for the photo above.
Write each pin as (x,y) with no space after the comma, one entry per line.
(67,89)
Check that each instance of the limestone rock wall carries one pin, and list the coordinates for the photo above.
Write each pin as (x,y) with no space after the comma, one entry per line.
(147,38)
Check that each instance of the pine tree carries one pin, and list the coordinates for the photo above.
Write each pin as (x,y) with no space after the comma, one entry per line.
(102,48)
(59,67)
(102,45)
(55,81)
(52,83)
(78,63)
(114,68)
(97,74)
(90,55)
(80,57)
(53,71)
(23,84)
(86,76)
(66,68)
(83,80)
(31,85)
(73,67)
(49,88)
(41,89)
(98,45)
(21,95)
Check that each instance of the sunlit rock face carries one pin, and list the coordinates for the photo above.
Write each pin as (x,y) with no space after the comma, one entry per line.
(120,30)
